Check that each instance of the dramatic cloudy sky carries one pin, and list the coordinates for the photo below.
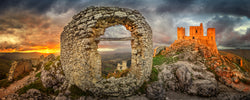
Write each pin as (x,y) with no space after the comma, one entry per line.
(35,25)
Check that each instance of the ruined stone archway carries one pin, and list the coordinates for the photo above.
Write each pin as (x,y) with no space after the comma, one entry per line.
(81,61)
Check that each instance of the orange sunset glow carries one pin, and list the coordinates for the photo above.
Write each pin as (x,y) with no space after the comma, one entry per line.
(38,49)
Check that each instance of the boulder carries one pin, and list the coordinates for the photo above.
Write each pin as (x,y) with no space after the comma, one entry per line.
(187,77)
(156,91)
(50,57)
(47,79)
(53,76)
(61,97)
(18,68)
(31,94)
(158,49)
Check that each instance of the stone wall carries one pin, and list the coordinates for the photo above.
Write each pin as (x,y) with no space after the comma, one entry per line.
(81,61)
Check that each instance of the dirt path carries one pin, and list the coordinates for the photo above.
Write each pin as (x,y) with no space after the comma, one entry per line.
(16,85)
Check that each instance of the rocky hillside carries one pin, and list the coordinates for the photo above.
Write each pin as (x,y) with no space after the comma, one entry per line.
(199,71)
(226,70)
(186,70)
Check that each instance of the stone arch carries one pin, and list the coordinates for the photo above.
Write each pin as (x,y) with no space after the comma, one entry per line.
(81,61)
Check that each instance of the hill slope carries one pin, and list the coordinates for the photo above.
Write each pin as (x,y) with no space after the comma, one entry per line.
(226,70)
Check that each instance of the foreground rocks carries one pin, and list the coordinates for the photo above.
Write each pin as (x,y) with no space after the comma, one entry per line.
(189,78)
(19,68)
(52,74)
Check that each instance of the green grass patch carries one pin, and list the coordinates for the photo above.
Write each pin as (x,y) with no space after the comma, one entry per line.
(39,86)
(77,92)
(245,81)
(152,78)
(38,75)
(142,89)
(107,68)
(57,58)
(158,60)
(223,66)
(5,83)
(178,52)
(47,65)
(154,75)
(240,68)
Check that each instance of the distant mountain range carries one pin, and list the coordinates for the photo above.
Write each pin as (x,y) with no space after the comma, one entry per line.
(17,56)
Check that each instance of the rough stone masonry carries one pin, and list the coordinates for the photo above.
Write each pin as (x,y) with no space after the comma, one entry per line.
(81,61)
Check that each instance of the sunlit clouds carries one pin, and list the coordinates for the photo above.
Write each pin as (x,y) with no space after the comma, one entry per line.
(36,25)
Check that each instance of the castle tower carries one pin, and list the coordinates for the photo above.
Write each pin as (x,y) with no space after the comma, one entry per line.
(122,66)
(197,34)
(211,37)
(201,29)
(211,33)
(196,31)
(180,33)
(119,66)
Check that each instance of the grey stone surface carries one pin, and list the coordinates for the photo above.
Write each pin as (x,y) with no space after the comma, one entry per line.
(81,61)
(52,75)
(31,94)
(156,91)
(158,49)
(61,97)
(19,68)
(188,77)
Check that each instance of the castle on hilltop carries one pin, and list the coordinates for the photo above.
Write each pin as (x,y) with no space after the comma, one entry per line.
(196,33)
(122,66)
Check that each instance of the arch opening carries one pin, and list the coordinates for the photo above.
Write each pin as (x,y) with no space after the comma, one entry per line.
(115,55)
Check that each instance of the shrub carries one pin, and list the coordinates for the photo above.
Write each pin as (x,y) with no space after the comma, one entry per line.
(4,83)
(38,75)
(152,78)
(158,60)
(154,75)
(21,76)
(118,74)
(39,86)
(47,65)
(77,92)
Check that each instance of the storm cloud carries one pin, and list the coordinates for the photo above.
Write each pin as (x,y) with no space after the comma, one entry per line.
(32,24)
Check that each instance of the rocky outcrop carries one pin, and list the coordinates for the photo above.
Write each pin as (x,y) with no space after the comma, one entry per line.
(31,94)
(52,74)
(226,70)
(187,77)
(82,62)
(156,91)
(158,50)
(18,68)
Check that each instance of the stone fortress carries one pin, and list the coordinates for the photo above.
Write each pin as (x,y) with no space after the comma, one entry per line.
(196,33)
(122,66)
(81,62)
